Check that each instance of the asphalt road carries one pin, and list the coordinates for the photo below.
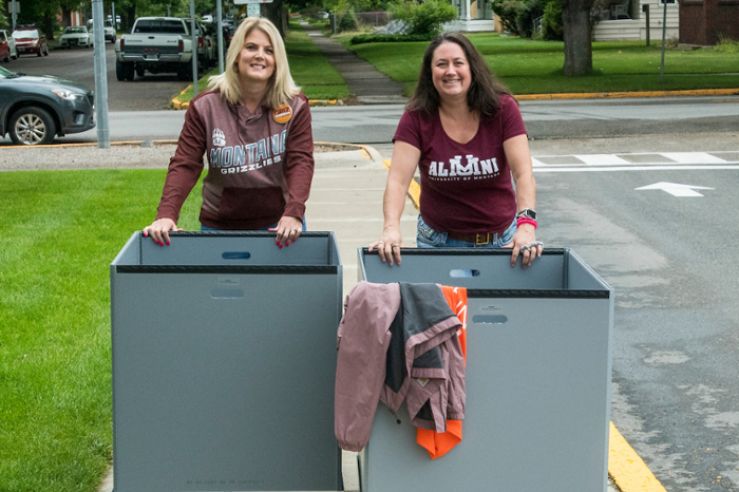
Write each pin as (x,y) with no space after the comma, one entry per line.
(150,93)
(672,261)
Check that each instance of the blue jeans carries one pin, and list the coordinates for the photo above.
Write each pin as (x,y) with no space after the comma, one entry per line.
(427,237)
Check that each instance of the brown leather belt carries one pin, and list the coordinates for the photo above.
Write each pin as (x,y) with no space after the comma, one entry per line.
(479,239)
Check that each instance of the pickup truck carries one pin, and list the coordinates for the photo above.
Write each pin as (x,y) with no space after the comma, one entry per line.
(156,44)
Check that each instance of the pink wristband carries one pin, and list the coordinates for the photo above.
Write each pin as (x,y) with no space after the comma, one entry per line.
(526,220)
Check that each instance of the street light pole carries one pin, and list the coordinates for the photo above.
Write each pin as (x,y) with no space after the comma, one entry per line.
(101,75)
(664,36)
(219,26)
(194,50)
(14,14)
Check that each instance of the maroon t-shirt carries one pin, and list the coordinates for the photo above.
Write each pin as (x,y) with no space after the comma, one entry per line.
(465,188)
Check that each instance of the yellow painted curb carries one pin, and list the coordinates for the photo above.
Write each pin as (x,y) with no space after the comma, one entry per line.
(626,468)
(617,95)
(414,190)
(176,103)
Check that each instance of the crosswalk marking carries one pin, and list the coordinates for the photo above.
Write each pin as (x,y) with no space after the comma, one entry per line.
(637,159)
(602,159)
(694,158)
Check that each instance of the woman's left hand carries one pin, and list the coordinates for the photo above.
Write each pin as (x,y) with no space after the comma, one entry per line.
(525,244)
(288,231)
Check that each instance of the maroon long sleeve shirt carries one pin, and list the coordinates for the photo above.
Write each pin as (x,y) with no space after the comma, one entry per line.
(260,165)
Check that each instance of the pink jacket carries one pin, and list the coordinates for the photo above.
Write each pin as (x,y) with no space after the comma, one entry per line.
(390,331)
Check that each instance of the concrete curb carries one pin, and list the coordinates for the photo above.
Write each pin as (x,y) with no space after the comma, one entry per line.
(368,152)
(175,103)
(621,95)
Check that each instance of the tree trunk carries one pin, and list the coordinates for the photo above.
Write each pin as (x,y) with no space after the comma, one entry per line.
(277,13)
(577,29)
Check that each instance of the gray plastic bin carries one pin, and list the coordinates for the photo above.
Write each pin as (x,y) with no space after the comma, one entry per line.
(538,372)
(224,356)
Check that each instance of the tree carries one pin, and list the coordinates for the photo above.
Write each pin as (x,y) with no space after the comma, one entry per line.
(577,29)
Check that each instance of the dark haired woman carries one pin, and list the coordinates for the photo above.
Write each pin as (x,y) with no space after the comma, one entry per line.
(464,131)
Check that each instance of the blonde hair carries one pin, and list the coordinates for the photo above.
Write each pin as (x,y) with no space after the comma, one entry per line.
(281,87)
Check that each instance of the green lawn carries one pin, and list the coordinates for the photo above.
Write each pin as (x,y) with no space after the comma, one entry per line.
(59,231)
(534,67)
(311,69)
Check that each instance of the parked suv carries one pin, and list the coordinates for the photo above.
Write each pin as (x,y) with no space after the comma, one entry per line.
(28,39)
(35,109)
(110,34)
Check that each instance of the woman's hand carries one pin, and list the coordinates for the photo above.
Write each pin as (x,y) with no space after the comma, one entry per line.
(525,244)
(287,231)
(159,231)
(388,246)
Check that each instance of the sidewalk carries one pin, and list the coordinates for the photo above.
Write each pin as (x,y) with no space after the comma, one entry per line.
(366,83)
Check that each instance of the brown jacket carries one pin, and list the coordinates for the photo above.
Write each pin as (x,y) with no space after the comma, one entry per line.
(260,165)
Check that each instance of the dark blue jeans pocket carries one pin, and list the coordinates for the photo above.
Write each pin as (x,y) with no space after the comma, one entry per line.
(427,237)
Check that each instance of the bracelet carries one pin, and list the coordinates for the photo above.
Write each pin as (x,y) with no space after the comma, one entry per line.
(526,220)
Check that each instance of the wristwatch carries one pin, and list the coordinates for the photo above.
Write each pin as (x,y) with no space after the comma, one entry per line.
(527,212)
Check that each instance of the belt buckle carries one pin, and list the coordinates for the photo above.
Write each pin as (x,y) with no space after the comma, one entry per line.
(482,238)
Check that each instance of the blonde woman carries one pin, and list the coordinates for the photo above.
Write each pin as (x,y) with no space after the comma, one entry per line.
(254,126)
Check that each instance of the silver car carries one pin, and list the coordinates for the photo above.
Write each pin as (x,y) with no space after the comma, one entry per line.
(74,36)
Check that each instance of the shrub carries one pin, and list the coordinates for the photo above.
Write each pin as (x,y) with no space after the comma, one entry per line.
(346,18)
(425,18)
(518,16)
(551,24)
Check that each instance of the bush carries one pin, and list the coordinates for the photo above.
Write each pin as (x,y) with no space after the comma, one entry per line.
(551,24)
(425,18)
(346,18)
(388,38)
(508,11)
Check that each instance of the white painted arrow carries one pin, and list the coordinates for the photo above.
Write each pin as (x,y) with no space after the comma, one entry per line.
(676,189)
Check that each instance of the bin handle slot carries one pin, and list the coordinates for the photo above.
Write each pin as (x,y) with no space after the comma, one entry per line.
(489,319)
(464,273)
(226,293)
(236,255)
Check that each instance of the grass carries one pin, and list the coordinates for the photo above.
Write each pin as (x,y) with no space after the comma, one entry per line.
(59,231)
(309,67)
(533,67)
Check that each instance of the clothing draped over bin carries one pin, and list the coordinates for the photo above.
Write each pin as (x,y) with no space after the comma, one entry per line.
(397,343)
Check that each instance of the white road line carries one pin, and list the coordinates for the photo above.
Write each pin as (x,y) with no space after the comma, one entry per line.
(601,159)
(683,167)
(693,157)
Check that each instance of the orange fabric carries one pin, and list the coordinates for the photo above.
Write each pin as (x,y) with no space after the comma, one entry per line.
(437,444)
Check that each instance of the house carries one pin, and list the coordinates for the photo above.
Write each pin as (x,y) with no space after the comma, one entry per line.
(474,16)
(627,19)
(707,21)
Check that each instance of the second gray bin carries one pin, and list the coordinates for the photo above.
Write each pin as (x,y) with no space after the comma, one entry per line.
(224,351)
(538,372)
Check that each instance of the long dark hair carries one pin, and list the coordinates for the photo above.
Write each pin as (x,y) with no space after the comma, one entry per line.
(485,89)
